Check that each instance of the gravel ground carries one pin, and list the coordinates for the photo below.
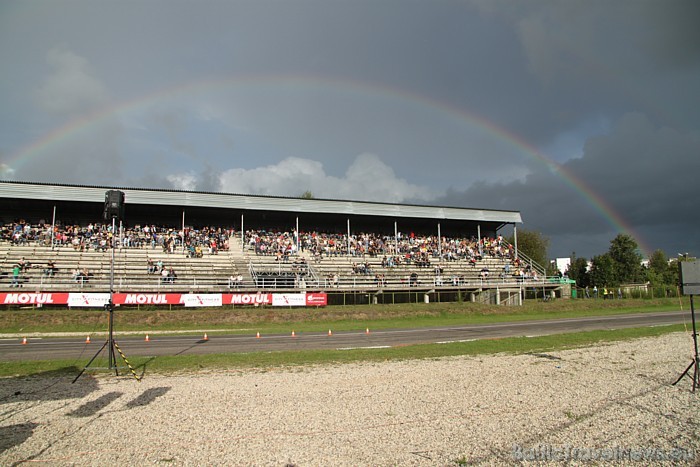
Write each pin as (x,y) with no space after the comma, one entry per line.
(613,401)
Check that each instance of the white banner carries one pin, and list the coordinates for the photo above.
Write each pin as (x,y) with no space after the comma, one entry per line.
(289,299)
(202,299)
(98,300)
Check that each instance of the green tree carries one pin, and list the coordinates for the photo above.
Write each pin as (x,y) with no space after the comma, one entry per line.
(603,271)
(307,195)
(627,260)
(578,270)
(658,272)
(532,244)
(662,270)
(658,262)
(552,269)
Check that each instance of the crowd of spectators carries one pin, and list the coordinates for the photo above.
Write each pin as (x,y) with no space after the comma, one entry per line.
(405,249)
(97,236)
(409,250)
(282,245)
(167,274)
(429,251)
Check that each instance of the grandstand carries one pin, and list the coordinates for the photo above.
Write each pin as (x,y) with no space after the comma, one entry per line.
(194,242)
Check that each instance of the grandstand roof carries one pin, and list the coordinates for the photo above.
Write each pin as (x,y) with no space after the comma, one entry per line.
(193,199)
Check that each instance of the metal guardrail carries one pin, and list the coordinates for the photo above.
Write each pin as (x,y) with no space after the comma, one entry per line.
(534,265)
(219,285)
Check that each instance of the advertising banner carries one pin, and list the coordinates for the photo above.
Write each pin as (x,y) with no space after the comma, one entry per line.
(147,299)
(316,299)
(289,299)
(93,300)
(38,298)
(247,299)
(195,299)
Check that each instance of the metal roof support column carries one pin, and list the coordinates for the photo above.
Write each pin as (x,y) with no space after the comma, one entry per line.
(515,240)
(439,243)
(183,231)
(348,241)
(53,225)
(478,233)
(242,235)
(396,239)
(297,235)
(520,295)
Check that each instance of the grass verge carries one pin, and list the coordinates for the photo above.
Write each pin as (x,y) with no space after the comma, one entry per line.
(269,360)
(282,320)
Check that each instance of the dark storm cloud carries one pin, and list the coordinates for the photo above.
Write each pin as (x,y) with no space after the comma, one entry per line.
(646,176)
(396,100)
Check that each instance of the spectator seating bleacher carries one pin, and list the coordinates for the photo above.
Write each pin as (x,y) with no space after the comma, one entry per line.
(77,258)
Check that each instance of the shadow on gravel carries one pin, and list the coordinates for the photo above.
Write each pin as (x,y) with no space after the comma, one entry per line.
(147,397)
(91,408)
(47,386)
(15,435)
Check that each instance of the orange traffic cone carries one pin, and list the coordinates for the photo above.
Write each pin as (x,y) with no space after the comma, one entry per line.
(330,333)
(24,341)
(87,340)
(147,338)
(257,336)
(293,334)
(206,338)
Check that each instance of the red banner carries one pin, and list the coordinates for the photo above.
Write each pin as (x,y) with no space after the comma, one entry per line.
(147,299)
(316,299)
(38,298)
(247,299)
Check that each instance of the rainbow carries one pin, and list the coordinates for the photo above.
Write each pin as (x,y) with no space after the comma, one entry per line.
(85,123)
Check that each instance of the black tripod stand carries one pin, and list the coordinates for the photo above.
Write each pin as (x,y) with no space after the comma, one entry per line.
(110,343)
(695,364)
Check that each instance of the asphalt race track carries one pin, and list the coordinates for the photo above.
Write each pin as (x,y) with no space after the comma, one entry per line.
(76,348)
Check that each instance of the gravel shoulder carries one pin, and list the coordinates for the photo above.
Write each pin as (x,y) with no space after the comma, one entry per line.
(614,401)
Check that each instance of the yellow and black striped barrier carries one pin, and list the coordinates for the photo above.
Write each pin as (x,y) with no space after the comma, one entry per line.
(127,362)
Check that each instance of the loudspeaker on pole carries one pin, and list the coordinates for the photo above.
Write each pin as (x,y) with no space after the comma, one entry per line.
(114,205)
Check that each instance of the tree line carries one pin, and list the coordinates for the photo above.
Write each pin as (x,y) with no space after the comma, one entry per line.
(621,264)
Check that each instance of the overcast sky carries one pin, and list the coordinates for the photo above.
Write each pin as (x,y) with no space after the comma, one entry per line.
(583,115)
